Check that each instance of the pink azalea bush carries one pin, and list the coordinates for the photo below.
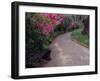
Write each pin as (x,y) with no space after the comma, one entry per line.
(47,21)
(73,25)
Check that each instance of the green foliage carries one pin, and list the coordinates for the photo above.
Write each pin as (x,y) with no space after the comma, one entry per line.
(82,38)
(35,40)
(33,34)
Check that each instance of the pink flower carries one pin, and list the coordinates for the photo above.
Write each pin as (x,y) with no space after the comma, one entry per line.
(57,22)
(48,21)
(49,27)
(73,25)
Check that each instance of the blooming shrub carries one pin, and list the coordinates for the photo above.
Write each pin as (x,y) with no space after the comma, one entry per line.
(47,21)
(42,28)
(73,25)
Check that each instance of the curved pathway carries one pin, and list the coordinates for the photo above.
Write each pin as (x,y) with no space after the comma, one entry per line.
(66,52)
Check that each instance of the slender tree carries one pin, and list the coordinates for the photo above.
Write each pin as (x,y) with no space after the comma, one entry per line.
(86,25)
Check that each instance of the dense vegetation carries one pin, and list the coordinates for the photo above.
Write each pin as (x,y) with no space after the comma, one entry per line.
(42,28)
(79,37)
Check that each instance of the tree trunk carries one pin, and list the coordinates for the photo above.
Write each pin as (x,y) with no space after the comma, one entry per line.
(86,26)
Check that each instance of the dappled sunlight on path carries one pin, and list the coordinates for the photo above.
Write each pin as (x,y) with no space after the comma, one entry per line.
(66,52)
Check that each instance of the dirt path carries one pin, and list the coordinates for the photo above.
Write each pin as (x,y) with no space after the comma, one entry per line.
(66,52)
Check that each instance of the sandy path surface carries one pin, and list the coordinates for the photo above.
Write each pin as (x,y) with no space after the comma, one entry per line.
(66,52)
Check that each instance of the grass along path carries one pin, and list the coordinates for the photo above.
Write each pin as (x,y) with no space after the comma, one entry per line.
(79,37)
